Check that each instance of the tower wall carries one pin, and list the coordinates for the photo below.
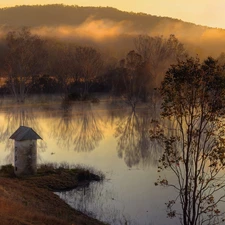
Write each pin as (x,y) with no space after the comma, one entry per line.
(25,158)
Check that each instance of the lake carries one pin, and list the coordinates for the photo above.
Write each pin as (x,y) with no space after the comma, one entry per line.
(108,137)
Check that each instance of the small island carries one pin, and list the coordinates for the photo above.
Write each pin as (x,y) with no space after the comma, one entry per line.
(30,199)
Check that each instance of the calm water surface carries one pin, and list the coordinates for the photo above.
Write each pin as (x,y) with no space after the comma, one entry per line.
(106,136)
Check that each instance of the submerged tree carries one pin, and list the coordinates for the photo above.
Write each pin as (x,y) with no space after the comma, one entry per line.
(193,97)
(130,79)
(133,88)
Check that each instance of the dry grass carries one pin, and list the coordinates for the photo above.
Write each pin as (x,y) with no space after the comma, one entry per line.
(15,213)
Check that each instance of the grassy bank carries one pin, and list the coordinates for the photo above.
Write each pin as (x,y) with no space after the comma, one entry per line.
(30,200)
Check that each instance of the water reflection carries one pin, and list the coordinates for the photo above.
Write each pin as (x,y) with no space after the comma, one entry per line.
(98,202)
(63,127)
(81,129)
(15,116)
(98,134)
(133,139)
(89,130)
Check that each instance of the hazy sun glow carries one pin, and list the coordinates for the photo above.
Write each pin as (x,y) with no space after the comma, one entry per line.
(204,12)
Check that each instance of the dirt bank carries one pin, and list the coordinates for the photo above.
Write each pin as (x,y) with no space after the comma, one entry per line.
(31,201)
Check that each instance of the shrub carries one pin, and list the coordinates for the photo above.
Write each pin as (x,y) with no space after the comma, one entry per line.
(7,170)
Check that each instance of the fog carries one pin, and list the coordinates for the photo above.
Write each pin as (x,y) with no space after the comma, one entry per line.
(117,37)
(108,28)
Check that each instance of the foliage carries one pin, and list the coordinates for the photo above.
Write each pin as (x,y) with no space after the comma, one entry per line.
(193,97)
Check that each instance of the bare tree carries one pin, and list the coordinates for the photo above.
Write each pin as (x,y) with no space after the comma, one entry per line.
(90,65)
(62,64)
(159,53)
(24,61)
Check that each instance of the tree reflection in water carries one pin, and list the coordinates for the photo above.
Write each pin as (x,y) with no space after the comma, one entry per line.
(83,131)
(89,130)
(134,143)
(64,127)
(19,115)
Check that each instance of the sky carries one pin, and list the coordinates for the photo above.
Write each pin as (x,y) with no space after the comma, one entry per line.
(202,12)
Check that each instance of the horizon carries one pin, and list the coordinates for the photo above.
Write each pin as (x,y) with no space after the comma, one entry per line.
(199,14)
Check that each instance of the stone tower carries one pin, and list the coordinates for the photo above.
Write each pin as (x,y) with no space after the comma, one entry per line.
(25,151)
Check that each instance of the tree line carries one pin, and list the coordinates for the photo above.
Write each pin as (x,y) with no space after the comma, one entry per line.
(31,64)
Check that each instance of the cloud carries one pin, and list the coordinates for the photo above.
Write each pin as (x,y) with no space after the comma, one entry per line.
(117,36)
(97,30)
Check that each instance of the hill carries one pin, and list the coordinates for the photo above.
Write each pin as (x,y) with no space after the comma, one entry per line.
(54,15)
(109,26)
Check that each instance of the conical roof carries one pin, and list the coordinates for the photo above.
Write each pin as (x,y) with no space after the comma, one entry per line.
(25,133)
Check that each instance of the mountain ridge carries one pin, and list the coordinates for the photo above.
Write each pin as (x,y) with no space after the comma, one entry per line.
(5,13)
(108,25)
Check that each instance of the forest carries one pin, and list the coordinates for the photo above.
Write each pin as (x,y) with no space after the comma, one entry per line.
(32,65)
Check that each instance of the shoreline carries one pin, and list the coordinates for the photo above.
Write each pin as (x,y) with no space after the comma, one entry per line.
(31,200)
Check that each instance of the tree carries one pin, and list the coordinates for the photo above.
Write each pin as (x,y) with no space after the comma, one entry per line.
(132,64)
(193,97)
(90,66)
(131,79)
(62,64)
(24,61)
(159,52)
